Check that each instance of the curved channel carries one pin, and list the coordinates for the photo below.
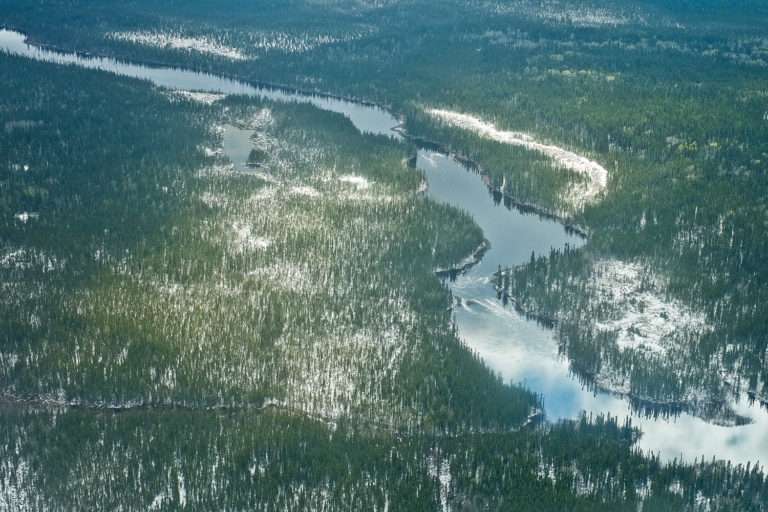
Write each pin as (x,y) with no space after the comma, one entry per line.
(517,348)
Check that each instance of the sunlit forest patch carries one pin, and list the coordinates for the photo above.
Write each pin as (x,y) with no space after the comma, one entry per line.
(239,45)
(178,41)
(589,14)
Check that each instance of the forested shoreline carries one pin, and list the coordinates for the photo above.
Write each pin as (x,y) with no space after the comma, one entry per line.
(277,338)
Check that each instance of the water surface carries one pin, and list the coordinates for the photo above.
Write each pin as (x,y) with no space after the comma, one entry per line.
(518,349)
(367,118)
(522,350)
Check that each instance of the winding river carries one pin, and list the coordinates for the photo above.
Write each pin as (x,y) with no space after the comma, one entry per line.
(518,349)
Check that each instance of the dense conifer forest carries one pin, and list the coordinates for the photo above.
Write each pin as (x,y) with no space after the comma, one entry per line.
(181,331)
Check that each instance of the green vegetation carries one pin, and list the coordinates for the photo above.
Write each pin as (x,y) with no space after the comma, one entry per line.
(279,336)
(172,460)
(230,289)
(256,157)
(669,97)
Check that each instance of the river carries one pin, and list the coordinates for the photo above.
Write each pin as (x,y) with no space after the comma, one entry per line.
(519,349)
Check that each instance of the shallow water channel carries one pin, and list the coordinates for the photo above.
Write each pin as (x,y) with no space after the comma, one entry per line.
(519,349)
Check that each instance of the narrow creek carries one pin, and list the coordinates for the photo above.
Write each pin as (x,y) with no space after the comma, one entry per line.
(519,349)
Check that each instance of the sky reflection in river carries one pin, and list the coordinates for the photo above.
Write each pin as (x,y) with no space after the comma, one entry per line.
(522,351)
(518,349)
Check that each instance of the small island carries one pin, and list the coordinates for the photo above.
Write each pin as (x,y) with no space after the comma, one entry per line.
(256,158)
